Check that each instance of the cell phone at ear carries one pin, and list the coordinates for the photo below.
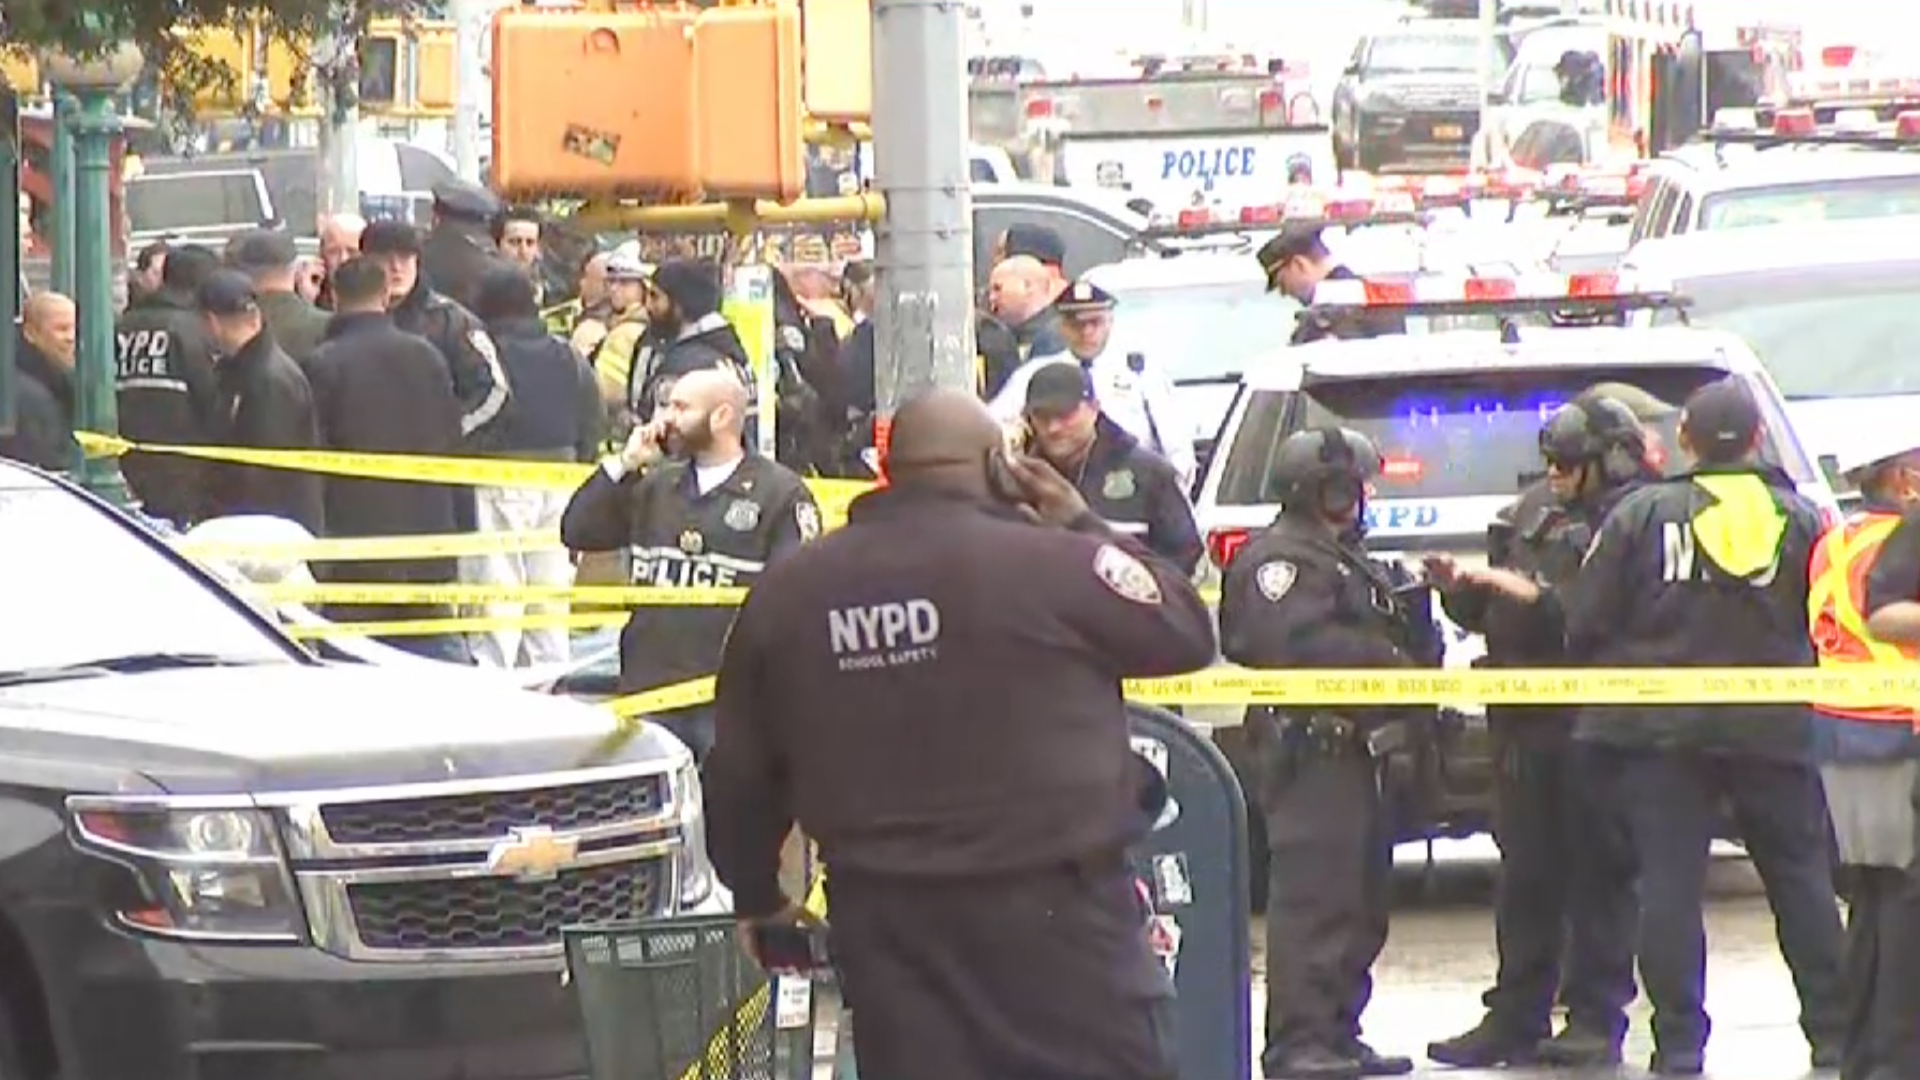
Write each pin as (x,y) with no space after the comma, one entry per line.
(790,948)
(1000,478)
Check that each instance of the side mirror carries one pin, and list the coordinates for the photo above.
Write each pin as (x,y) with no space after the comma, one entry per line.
(1350,71)
(1498,97)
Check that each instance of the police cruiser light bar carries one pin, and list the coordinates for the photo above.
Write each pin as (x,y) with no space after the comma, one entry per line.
(1803,127)
(1404,200)
(1451,295)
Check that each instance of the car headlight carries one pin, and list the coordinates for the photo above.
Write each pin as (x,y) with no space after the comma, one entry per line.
(202,873)
(696,873)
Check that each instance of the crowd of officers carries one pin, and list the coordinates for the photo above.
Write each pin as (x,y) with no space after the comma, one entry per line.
(1042,525)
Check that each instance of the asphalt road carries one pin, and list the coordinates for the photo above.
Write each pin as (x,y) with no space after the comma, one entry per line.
(1440,958)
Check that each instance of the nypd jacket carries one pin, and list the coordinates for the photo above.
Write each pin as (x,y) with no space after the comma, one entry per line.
(1137,492)
(933,691)
(479,381)
(1703,570)
(679,538)
(165,389)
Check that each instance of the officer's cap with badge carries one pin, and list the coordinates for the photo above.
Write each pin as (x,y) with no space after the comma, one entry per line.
(1084,298)
(626,266)
(464,200)
(1293,242)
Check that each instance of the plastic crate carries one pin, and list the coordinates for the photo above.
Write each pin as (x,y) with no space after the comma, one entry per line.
(679,999)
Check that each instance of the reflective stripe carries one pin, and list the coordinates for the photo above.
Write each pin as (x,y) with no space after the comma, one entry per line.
(1841,564)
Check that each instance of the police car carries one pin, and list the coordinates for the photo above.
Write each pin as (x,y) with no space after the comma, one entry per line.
(1206,316)
(1456,416)
(1795,170)
(1828,306)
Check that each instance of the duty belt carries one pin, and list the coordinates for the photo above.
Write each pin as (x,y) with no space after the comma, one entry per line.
(1332,734)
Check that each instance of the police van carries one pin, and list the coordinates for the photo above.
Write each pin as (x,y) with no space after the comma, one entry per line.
(1456,408)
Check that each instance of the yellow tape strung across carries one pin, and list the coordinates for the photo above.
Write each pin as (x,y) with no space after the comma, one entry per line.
(1330,688)
(466,624)
(375,548)
(630,595)
(833,495)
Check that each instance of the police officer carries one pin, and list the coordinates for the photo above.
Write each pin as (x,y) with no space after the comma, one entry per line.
(985,922)
(1566,885)
(1303,593)
(1706,570)
(1868,754)
(460,248)
(1133,489)
(712,514)
(1893,606)
(478,379)
(1295,262)
(165,388)
(268,405)
(1135,398)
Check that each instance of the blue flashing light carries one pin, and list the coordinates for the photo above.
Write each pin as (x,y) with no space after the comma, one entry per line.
(1486,410)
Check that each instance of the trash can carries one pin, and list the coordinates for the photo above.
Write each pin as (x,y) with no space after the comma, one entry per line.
(679,999)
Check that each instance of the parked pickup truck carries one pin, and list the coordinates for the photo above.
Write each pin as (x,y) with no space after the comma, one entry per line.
(223,857)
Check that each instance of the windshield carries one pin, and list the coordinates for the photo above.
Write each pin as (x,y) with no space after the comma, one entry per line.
(1204,331)
(1453,435)
(160,204)
(1410,53)
(1821,333)
(81,587)
(1792,204)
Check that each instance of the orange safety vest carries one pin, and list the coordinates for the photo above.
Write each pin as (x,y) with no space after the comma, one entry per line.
(1838,574)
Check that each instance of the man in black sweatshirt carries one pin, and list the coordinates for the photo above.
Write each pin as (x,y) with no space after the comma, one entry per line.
(558,416)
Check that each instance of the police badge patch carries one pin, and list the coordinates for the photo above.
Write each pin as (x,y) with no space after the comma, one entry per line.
(1275,578)
(742,515)
(1126,575)
(692,542)
(1118,484)
(792,339)
(807,516)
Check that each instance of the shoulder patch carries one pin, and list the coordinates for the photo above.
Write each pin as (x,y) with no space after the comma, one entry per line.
(807,516)
(1126,575)
(1275,578)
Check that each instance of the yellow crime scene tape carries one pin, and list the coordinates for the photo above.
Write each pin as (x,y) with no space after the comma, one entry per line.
(1867,685)
(464,595)
(463,624)
(375,548)
(832,495)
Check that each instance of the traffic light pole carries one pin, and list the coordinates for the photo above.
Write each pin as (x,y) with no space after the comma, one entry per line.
(923,324)
(470,86)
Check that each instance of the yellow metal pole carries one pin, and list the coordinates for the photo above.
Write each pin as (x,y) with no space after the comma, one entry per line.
(725,217)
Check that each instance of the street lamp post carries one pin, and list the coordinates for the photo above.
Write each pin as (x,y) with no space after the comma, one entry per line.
(94,80)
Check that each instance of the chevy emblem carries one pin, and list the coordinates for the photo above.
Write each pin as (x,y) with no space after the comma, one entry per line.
(533,854)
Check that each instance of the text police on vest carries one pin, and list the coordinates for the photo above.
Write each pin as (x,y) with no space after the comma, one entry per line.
(886,635)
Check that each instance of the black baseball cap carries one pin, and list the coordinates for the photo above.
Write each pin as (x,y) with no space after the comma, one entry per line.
(389,237)
(264,249)
(1058,388)
(228,292)
(1720,421)
(1038,242)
